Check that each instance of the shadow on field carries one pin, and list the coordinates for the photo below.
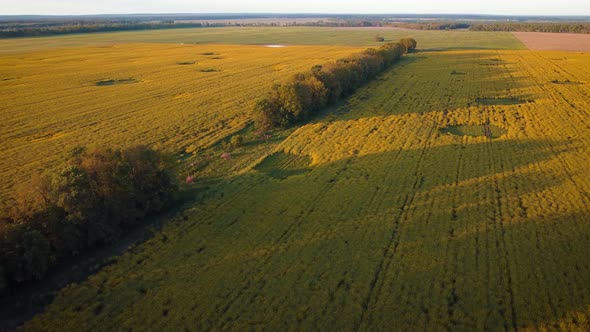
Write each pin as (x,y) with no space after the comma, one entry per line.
(429,82)
(421,239)
(406,244)
(396,238)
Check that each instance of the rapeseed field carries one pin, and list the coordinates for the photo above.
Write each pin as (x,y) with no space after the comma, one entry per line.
(173,97)
(374,217)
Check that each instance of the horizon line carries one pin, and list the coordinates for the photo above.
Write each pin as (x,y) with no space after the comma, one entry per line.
(303,13)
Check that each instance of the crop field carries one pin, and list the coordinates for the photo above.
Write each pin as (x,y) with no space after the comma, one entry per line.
(175,97)
(389,212)
(269,35)
(542,41)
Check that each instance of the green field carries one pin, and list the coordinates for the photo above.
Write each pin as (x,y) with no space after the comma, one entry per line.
(277,35)
(389,211)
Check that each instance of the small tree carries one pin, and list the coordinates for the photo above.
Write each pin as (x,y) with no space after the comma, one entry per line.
(269,113)
(409,43)
(24,252)
(236,141)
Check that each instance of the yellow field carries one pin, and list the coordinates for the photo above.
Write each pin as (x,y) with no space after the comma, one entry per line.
(173,97)
(373,219)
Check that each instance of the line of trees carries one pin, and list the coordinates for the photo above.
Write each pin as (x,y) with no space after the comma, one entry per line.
(432,25)
(534,27)
(50,30)
(19,30)
(307,93)
(95,197)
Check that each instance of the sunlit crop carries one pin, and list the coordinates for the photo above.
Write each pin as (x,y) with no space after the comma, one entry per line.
(373,218)
(178,98)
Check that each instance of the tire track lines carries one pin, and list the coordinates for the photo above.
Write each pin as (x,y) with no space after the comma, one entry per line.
(499,220)
(452,266)
(263,267)
(557,152)
(394,239)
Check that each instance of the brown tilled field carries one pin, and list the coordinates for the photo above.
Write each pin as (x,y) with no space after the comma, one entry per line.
(543,41)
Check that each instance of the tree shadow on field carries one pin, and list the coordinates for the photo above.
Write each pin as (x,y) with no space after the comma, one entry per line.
(447,226)
(434,238)
(427,82)
(487,275)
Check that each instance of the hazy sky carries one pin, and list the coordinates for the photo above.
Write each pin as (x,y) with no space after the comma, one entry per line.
(524,7)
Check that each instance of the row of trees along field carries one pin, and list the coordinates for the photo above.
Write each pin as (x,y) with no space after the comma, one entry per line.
(432,25)
(92,199)
(16,30)
(307,93)
(533,27)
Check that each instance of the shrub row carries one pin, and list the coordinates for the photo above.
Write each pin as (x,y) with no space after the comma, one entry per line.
(565,27)
(306,93)
(91,200)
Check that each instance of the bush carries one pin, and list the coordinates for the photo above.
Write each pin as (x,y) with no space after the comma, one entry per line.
(409,43)
(236,141)
(24,252)
(89,201)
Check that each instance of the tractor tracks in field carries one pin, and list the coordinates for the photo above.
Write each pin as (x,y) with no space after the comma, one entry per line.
(580,119)
(504,254)
(389,252)
(261,268)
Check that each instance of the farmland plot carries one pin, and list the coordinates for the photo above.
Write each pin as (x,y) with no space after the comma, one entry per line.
(380,220)
(170,96)
(271,35)
(540,41)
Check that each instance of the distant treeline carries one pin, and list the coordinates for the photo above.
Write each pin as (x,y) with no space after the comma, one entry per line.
(559,27)
(433,25)
(48,27)
(533,27)
(39,29)
(307,93)
(93,199)
(15,31)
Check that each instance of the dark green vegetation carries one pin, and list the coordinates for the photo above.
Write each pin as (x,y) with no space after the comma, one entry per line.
(281,165)
(566,82)
(433,25)
(94,198)
(563,27)
(15,30)
(499,101)
(209,70)
(324,85)
(489,131)
(115,82)
(558,27)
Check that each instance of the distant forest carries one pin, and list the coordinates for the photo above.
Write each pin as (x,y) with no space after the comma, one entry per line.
(34,26)
(579,27)
(13,30)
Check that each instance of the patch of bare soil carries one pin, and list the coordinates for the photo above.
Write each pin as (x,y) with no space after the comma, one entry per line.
(543,41)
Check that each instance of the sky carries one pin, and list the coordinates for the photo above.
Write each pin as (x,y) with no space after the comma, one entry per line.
(499,7)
